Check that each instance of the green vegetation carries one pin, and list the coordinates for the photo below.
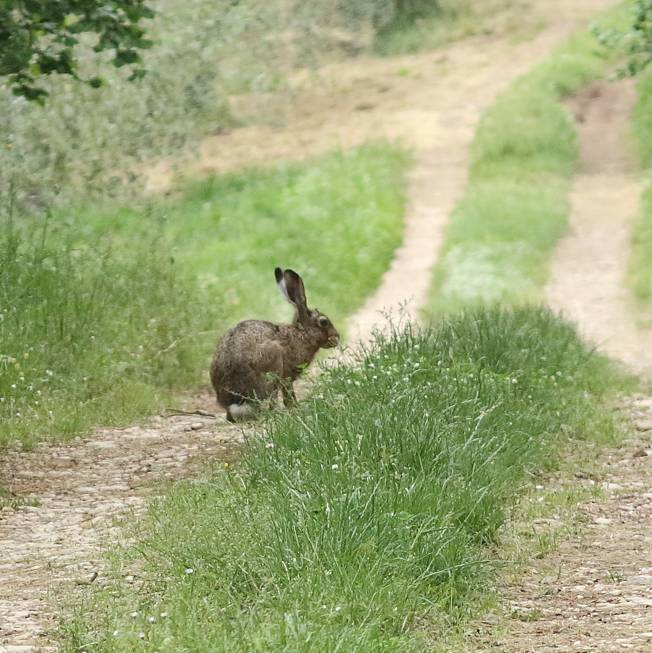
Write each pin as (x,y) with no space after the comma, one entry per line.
(515,207)
(103,312)
(39,38)
(364,519)
(640,267)
(633,38)
(95,142)
(417,25)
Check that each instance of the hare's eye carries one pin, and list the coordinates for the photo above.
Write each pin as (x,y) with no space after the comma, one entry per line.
(323,321)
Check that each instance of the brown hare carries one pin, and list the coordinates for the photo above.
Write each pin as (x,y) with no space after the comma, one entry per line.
(256,359)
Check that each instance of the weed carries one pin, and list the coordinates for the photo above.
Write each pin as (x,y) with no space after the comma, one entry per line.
(615,576)
(527,615)
(14,502)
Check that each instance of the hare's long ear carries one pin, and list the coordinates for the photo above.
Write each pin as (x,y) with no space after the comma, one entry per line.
(293,287)
(280,282)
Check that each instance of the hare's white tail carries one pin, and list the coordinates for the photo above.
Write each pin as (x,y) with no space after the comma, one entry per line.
(238,411)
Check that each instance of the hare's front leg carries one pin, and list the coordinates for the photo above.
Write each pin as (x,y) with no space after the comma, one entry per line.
(289,398)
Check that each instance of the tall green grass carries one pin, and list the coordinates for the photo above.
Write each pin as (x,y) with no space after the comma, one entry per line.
(640,266)
(104,312)
(515,207)
(364,519)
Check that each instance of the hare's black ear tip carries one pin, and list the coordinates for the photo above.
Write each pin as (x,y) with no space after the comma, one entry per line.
(278,273)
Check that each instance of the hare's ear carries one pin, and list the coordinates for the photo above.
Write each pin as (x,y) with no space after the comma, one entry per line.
(291,287)
(296,291)
(282,286)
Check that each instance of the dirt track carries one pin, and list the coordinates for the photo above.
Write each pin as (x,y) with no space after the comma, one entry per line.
(594,594)
(81,488)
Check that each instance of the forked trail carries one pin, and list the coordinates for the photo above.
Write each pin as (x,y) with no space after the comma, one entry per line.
(81,489)
(594,594)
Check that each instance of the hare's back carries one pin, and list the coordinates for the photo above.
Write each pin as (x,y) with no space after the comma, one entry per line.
(244,341)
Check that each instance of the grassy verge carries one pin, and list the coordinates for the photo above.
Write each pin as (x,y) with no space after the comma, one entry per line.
(640,267)
(102,313)
(515,207)
(364,520)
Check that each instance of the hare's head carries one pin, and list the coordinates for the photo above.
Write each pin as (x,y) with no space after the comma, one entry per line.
(291,286)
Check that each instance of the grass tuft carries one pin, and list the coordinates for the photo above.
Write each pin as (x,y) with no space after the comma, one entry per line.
(362,520)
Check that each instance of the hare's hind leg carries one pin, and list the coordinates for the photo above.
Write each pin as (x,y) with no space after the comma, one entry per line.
(270,367)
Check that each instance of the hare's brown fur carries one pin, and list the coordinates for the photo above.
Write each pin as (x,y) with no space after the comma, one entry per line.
(255,359)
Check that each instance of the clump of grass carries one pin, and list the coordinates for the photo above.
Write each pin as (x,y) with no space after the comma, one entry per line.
(515,208)
(84,333)
(366,516)
(104,311)
(640,266)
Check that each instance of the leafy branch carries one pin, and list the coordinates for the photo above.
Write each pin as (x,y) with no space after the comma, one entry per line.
(38,38)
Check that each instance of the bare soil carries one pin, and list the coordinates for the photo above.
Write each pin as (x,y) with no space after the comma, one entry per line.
(431,101)
(594,593)
(588,272)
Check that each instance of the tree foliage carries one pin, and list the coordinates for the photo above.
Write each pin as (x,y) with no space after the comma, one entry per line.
(635,41)
(39,37)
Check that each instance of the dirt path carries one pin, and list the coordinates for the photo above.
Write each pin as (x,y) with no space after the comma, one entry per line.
(434,102)
(438,118)
(588,271)
(594,594)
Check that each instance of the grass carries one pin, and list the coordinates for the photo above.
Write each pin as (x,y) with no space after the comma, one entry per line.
(364,520)
(640,266)
(11,501)
(515,208)
(428,25)
(104,312)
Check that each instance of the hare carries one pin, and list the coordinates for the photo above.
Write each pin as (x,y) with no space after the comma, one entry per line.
(255,359)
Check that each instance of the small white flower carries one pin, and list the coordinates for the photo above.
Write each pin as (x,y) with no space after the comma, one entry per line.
(133,615)
(141,635)
(116,633)
(163,615)
(151,620)
(269,445)
(189,570)
(335,466)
